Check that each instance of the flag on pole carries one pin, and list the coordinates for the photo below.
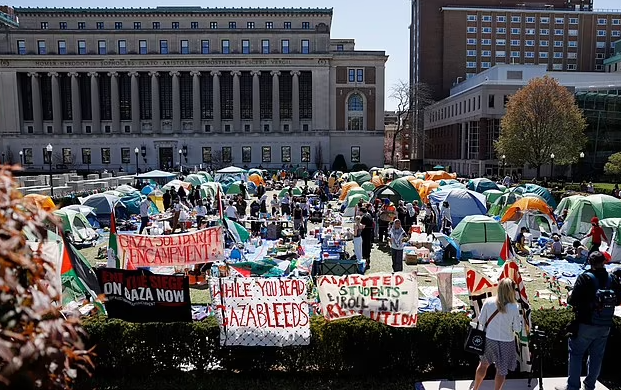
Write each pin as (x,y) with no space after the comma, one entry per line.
(220,211)
(239,233)
(506,253)
(113,245)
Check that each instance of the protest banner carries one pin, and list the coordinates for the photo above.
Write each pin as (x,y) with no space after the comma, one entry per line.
(141,296)
(201,246)
(391,299)
(261,311)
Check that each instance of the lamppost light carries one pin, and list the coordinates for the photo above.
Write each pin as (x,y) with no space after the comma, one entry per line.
(180,151)
(136,150)
(49,148)
(21,153)
(503,157)
(581,154)
(552,156)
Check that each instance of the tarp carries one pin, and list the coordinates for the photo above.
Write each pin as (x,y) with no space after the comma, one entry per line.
(530,188)
(359,177)
(567,202)
(76,227)
(42,202)
(480,236)
(346,188)
(463,203)
(385,192)
(256,179)
(439,175)
(195,179)
(481,184)
(407,191)
(578,221)
(517,209)
(157,197)
(156,175)
(492,195)
(426,188)
(368,186)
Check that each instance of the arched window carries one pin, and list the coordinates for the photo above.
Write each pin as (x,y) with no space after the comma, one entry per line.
(355,112)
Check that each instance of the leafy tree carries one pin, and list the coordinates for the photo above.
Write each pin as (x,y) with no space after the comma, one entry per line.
(542,119)
(39,348)
(613,166)
(339,163)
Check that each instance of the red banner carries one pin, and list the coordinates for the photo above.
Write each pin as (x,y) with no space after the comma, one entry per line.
(202,246)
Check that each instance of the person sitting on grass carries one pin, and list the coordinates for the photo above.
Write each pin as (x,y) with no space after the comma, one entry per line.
(556,251)
(520,242)
(581,253)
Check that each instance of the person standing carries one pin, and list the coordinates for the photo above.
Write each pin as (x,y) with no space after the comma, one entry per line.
(502,318)
(260,190)
(429,221)
(274,204)
(397,237)
(367,237)
(446,218)
(285,204)
(593,298)
(231,212)
(201,212)
(410,217)
(181,193)
(241,206)
(297,217)
(145,205)
(178,207)
(166,198)
(305,177)
(597,235)
(358,229)
(243,190)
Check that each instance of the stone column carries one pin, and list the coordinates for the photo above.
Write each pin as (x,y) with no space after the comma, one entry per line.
(56,104)
(295,101)
(136,128)
(155,102)
(275,101)
(176,102)
(115,102)
(196,100)
(236,101)
(217,115)
(37,110)
(76,107)
(95,108)
(256,101)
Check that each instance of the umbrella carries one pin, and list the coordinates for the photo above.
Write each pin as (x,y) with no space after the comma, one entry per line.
(445,241)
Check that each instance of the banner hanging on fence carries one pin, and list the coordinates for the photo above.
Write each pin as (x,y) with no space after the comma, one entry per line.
(201,246)
(141,296)
(391,299)
(261,311)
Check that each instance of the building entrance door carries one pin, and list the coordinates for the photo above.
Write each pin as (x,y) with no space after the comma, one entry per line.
(166,158)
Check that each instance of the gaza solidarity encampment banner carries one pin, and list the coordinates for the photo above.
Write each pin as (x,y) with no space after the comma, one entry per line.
(141,296)
(391,299)
(261,311)
(201,246)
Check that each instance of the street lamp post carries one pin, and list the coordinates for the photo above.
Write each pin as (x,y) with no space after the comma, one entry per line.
(552,167)
(136,151)
(580,161)
(21,157)
(49,149)
(180,167)
(2,157)
(503,158)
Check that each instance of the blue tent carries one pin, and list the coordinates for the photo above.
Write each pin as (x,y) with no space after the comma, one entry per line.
(481,184)
(132,203)
(146,190)
(462,202)
(537,190)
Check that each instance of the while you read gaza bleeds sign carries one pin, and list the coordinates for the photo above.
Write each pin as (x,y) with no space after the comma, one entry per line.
(391,299)
(261,311)
(201,246)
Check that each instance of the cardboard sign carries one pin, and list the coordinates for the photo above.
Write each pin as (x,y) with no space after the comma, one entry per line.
(201,246)
(141,296)
(391,299)
(261,311)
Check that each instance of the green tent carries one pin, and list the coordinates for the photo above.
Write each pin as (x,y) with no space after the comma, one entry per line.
(352,201)
(295,190)
(578,221)
(76,226)
(503,202)
(206,176)
(359,177)
(357,191)
(132,202)
(195,179)
(405,189)
(368,186)
(567,202)
(445,182)
(612,228)
(479,237)
(481,185)
(210,190)
(492,195)
(234,189)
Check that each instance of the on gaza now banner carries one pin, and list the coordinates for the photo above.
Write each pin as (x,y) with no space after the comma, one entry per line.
(201,246)
(391,299)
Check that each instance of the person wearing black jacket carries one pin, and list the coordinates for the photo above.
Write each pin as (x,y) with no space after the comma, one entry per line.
(367,236)
(594,296)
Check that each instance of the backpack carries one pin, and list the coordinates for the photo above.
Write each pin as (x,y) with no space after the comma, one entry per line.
(603,307)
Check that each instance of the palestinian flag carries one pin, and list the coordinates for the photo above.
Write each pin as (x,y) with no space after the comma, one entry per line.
(506,253)
(113,245)
(220,206)
(239,233)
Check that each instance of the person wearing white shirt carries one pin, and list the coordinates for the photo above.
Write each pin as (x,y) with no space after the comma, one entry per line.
(285,204)
(145,205)
(274,204)
(231,211)
(502,316)
(201,212)
(178,207)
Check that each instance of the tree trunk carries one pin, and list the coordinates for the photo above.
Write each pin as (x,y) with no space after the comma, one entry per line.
(392,152)
(538,172)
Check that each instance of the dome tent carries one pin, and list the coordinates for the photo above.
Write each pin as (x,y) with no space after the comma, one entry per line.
(407,191)
(76,227)
(359,177)
(482,184)
(358,191)
(479,237)
(531,213)
(492,195)
(439,175)
(426,188)
(368,186)
(530,188)
(567,202)
(42,202)
(462,202)
(195,179)
(578,221)
(294,190)
(385,192)
(346,188)
(612,228)
(206,176)
(352,201)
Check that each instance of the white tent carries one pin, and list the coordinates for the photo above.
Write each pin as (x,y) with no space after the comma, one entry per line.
(538,223)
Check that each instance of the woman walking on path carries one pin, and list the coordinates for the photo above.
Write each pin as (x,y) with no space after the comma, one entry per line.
(397,237)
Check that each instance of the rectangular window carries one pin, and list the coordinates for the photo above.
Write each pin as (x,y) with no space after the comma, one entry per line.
(137,25)
(175,25)
(41,47)
(247,128)
(616,33)
(227,128)
(266,154)
(226,46)
(616,22)
(194,25)
(500,54)
(44,25)
(266,128)
(601,33)
(100,25)
(471,41)
(559,32)
(62,25)
(265,46)
(472,18)
(597,67)
(572,56)
(21,47)
(233,25)
(81,47)
(490,101)
(118,25)
(558,54)
(515,42)
(227,155)
(156,25)
(544,32)
(557,66)
(572,33)
(81,25)
(142,47)
(207,128)
(285,154)
(88,129)
(529,54)
(516,19)
(529,43)
(185,46)
(501,42)
(544,20)
(501,30)
(249,24)
(62,47)
(67,160)
(471,65)
(101,47)
(205,46)
(105,155)
(246,154)
(515,54)
(486,65)
(530,19)
(602,22)
(28,156)
(163,47)
(515,31)
(573,20)
(501,19)
(558,43)
(284,46)
(359,75)
(544,43)
(352,75)
(543,54)
(486,53)
(245,46)
(599,56)
(472,30)
(213,24)
(69,129)
(125,156)
(486,18)
(287,25)
(559,20)
(122,44)
(571,66)
(530,31)
(305,46)
(305,127)
(486,42)
(471,53)
(107,129)
(269,24)
(486,30)
(600,45)
(306,25)
(305,153)
(206,154)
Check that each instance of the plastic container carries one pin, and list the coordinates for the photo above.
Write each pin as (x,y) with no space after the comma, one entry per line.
(423,253)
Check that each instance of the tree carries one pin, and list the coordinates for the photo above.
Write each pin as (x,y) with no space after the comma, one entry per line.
(613,166)
(39,348)
(318,156)
(542,119)
(339,163)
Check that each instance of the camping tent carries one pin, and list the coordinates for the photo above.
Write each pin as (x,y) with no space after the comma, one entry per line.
(157,197)
(296,191)
(257,171)
(530,188)
(538,223)
(359,177)
(515,211)
(439,175)
(377,181)
(352,202)
(87,212)
(76,227)
(159,177)
(578,221)
(479,237)
(384,192)
(503,202)
(233,188)
(125,189)
(612,228)
(103,205)
(358,191)
(256,179)
(42,202)
(426,188)
(175,184)
(132,203)
(146,190)
(368,186)
(206,176)
(407,191)
(481,184)
(492,195)
(445,182)
(566,203)
(462,202)
(346,188)
(210,190)
(195,179)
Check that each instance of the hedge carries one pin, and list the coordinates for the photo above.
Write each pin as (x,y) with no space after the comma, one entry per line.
(434,349)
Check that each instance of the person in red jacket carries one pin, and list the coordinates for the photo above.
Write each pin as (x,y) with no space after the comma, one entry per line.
(597,235)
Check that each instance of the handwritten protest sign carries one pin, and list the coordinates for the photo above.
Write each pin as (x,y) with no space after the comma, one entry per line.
(201,246)
(261,311)
(391,299)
